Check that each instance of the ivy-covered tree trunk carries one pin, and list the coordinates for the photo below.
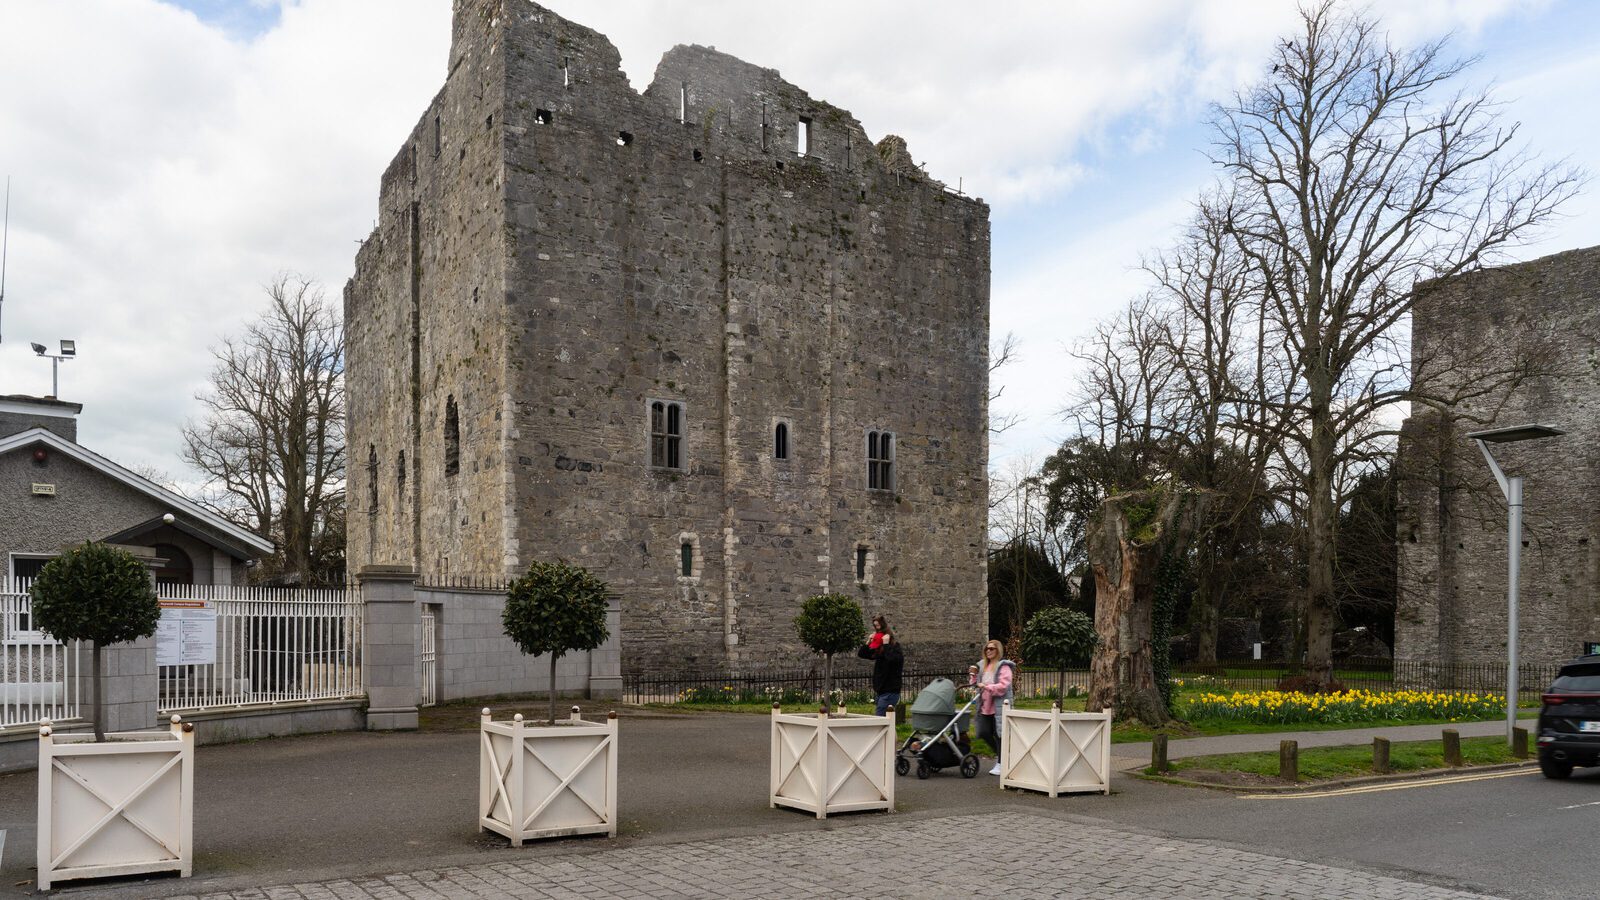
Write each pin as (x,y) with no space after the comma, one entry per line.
(1126,542)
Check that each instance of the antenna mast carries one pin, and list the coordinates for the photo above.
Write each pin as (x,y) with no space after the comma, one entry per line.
(5,243)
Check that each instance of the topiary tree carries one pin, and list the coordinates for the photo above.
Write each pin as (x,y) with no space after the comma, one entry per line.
(829,624)
(1059,637)
(554,608)
(99,594)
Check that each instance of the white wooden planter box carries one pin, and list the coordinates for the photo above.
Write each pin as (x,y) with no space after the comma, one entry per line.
(824,764)
(543,781)
(1055,752)
(120,807)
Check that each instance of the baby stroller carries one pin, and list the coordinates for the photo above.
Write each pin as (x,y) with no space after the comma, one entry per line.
(938,737)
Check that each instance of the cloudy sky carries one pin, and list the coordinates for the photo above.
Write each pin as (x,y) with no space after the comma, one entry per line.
(168,158)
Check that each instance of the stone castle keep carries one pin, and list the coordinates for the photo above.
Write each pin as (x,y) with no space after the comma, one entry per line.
(1452,516)
(708,341)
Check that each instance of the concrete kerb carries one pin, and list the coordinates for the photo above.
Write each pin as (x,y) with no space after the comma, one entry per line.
(1336,784)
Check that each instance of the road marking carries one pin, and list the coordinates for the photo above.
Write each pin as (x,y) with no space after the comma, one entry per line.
(1573,806)
(1399,786)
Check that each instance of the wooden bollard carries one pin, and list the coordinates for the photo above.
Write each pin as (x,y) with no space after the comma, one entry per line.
(1380,755)
(900,713)
(1519,743)
(1289,760)
(1452,747)
(1158,753)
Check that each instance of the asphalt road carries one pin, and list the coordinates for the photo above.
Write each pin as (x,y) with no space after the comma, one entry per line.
(316,807)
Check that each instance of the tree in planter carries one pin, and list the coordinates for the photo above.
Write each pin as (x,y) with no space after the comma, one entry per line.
(1059,637)
(829,624)
(99,594)
(555,608)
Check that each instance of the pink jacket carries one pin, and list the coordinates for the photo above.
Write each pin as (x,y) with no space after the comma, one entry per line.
(992,692)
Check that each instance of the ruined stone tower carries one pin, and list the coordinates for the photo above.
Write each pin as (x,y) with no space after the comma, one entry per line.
(1517,345)
(708,341)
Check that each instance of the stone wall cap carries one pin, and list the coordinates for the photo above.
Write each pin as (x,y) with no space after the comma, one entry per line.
(386,573)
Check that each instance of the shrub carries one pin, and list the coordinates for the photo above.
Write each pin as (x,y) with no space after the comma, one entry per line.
(100,594)
(1059,637)
(829,624)
(555,608)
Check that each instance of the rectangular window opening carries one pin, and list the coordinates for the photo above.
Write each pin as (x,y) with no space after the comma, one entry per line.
(683,102)
(861,563)
(780,441)
(666,434)
(438,137)
(686,560)
(803,137)
(880,461)
(541,117)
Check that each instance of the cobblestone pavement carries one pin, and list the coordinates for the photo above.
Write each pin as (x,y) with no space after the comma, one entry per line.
(997,855)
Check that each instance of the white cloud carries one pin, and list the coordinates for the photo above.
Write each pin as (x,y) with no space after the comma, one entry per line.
(164,168)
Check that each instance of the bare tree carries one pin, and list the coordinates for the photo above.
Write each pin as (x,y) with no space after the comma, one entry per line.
(1360,171)
(271,441)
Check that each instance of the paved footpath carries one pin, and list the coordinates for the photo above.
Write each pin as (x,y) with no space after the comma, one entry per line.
(1037,856)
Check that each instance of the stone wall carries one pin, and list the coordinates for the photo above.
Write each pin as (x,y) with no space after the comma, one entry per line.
(1471,334)
(584,250)
(476,659)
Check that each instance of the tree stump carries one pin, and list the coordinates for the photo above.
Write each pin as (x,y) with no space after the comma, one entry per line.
(1126,542)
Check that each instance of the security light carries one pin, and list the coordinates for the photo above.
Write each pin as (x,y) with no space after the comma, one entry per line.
(69,348)
(38,348)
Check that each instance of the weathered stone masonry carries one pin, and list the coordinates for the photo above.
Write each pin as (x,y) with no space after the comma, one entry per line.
(1452,519)
(555,252)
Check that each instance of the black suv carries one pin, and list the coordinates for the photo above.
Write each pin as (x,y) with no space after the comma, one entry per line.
(1569,723)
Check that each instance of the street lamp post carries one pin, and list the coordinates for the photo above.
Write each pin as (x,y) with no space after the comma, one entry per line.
(1512,488)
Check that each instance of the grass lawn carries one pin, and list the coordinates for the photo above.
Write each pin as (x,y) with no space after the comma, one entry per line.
(1325,763)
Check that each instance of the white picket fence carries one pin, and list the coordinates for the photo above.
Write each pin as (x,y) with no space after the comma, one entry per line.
(273,646)
(39,676)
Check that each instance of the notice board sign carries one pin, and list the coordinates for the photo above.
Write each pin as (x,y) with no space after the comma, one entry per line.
(186,634)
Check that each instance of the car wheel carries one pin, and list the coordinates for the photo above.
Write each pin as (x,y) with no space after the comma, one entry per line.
(1555,768)
(901,765)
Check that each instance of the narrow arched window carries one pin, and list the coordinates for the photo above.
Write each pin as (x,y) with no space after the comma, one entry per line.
(372,479)
(400,477)
(686,559)
(780,441)
(452,437)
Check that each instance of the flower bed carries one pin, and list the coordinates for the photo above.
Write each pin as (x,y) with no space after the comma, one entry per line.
(1272,707)
(766,696)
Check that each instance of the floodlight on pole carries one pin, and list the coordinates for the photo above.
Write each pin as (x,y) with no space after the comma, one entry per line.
(1512,488)
(69,351)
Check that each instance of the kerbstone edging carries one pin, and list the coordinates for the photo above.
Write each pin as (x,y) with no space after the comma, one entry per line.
(1421,775)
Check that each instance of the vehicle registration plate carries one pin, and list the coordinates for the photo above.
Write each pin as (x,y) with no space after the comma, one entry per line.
(1589,727)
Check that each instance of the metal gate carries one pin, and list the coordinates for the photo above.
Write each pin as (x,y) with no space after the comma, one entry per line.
(429,679)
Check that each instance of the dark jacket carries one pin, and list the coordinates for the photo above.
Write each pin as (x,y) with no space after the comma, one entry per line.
(887,663)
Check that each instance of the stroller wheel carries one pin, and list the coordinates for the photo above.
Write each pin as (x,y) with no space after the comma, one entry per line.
(901,765)
(969,766)
(922,769)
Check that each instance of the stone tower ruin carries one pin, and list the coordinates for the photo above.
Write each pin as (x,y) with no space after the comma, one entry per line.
(708,341)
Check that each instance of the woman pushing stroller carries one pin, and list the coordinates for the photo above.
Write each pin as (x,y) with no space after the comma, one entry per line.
(992,676)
